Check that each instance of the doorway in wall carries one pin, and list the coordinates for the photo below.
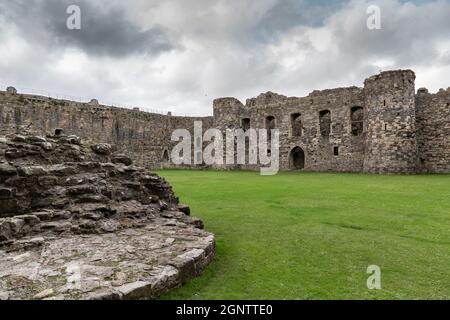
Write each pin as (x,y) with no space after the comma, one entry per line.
(297,159)
(166,157)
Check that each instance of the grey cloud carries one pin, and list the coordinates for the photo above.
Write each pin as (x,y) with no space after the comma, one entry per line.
(105,30)
(230,47)
(291,13)
(412,36)
(408,37)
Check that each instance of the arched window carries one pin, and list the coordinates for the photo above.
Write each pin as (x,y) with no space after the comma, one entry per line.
(325,123)
(296,124)
(357,119)
(270,125)
(246,124)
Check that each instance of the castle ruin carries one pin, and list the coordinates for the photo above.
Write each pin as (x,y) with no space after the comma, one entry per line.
(383,127)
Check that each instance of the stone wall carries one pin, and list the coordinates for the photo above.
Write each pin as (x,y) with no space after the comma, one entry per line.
(383,127)
(433,130)
(145,136)
(372,129)
(319,150)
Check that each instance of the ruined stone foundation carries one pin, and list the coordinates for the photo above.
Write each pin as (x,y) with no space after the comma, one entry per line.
(78,222)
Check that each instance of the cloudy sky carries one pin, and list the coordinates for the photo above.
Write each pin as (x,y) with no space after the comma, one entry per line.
(179,55)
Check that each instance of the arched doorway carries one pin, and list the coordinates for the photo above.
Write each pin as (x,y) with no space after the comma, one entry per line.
(166,157)
(297,159)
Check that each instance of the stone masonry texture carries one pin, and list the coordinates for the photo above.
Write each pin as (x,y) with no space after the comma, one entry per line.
(80,221)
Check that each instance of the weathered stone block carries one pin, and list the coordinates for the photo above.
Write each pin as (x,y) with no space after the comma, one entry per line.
(6,193)
(185,209)
(7,170)
(121,158)
(47,181)
(32,171)
(14,153)
(102,148)
(136,290)
(81,189)
(8,207)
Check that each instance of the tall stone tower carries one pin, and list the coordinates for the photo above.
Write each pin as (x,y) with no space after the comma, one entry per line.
(391,145)
(227,115)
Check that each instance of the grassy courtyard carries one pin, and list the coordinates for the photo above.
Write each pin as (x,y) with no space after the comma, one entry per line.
(313,235)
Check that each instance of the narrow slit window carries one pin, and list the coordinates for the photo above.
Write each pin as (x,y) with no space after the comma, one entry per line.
(296,125)
(166,157)
(270,125)
(325,123)
(357,120)
(246,124)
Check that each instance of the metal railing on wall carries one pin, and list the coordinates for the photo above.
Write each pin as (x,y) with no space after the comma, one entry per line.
(79,99)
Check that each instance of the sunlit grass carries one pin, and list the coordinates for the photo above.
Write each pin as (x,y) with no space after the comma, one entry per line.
(313,235)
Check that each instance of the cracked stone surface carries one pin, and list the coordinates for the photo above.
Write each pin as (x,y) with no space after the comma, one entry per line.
(80,222)
(160,255)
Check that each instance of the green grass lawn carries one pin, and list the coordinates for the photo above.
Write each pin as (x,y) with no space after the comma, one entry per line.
(313,235)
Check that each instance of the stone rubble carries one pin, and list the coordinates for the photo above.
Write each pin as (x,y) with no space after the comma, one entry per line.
(82,222)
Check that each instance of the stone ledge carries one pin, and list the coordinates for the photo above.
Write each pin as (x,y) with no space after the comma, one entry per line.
(131,264)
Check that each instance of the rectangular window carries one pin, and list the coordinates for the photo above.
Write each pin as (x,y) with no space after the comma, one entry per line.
(296,124)
(325,123)
(270,125)
(357,120)
(336,151)
(246,124)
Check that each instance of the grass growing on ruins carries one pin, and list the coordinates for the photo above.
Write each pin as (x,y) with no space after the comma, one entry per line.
(313,235)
